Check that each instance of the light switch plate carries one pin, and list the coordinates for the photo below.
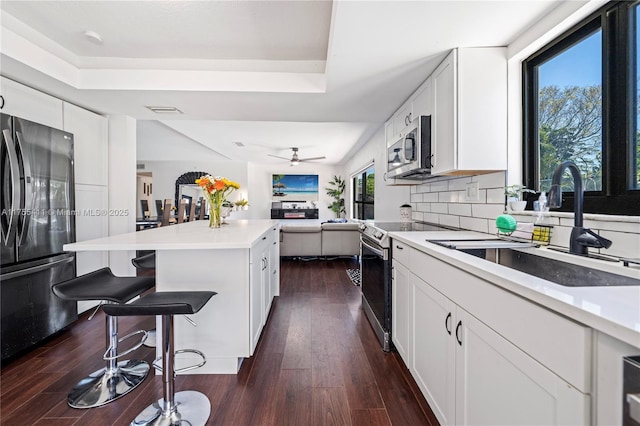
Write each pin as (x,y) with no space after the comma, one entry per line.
(472,192)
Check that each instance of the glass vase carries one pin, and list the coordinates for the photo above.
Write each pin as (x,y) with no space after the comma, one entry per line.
(214,215)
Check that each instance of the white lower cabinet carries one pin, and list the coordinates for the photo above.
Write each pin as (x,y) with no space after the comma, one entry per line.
(401,310)
(433,358)
(498,384)
(263,285)
(470,372)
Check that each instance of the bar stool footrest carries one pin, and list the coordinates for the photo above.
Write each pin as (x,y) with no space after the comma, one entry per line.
(157,366)
(145,335)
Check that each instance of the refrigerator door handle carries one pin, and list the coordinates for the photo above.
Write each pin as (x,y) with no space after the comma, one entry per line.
(58,260)
(26,216)
(9,224)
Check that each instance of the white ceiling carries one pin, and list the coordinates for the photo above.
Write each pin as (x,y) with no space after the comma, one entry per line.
(319,75)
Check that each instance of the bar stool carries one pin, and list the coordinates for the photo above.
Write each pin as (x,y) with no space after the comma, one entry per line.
(186,407)
(118,377)
(145,262)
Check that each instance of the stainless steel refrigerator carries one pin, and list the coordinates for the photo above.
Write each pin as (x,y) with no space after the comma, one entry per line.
(37,218)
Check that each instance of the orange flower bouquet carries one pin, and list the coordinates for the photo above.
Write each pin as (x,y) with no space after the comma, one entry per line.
(216,189)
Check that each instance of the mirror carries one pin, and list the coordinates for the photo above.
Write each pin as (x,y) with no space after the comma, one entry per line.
(186,188)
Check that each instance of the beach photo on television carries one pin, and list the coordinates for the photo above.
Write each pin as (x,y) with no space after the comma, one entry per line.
(295,187)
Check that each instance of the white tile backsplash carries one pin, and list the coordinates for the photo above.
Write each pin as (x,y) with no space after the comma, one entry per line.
(624,244)
(442,201)
(449,197)
(474,224)
(460,209)
(459,184)
(491,180)
(450,220)
(495,196)
(487,211)
(439,208)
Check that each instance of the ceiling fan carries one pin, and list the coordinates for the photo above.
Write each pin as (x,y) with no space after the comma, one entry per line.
(294,158)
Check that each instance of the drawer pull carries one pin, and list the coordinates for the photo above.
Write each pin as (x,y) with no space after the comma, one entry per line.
(399,248)
(447,323)
(457,332)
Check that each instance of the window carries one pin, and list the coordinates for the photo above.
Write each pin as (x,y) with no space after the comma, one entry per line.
(580,104)
(363,194)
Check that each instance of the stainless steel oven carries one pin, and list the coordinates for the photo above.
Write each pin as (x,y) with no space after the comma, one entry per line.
(375,282)
(375,272)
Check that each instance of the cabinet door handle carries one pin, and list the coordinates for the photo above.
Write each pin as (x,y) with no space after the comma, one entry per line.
(457,332)
(399,247)
(1,101)
(447,323)
(410,117)
(264,238)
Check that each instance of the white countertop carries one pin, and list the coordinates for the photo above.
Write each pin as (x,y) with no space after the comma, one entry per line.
(238,234)
(612,310)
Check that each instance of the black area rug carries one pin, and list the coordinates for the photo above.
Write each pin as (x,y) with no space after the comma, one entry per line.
(354,276)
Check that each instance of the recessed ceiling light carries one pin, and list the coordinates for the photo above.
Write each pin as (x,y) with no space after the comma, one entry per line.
(164,109)
(93,37)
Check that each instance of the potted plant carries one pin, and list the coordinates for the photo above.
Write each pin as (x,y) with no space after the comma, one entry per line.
(242,204)
(514,197)
(335,191)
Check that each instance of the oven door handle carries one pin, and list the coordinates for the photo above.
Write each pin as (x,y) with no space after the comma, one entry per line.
(377,251)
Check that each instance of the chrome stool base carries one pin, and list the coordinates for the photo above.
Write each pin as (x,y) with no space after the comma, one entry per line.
(191,408)
(104,385)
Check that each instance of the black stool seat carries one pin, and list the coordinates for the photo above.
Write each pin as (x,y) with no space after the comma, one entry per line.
(103,285)
(147,261)
(163,303)
(117,378)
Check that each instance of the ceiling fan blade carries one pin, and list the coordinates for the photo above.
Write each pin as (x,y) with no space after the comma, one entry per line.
(282,158)
(312,158)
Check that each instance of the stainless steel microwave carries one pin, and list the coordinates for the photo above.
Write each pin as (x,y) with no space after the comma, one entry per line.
(410,156)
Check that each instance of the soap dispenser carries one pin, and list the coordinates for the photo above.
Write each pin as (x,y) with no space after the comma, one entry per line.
(542,208)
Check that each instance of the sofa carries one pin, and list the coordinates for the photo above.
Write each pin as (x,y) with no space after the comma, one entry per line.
(320,239)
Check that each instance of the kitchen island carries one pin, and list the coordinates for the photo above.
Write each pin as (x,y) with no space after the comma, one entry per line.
(239,261)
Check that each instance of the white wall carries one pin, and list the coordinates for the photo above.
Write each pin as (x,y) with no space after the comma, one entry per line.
(388,198)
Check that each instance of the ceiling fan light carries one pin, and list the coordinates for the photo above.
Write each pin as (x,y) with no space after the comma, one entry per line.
(294,162)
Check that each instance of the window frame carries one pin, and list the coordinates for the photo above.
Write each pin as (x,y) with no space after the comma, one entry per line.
(617,22)
(355,203)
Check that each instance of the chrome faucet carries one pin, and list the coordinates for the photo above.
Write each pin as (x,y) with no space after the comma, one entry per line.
(581,238)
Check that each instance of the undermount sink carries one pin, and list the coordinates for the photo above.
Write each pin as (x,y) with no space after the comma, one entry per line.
(557,271)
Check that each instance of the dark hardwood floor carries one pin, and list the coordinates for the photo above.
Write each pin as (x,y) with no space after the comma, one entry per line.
(318,363)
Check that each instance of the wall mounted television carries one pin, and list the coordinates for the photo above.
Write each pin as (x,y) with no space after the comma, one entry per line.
(294,187)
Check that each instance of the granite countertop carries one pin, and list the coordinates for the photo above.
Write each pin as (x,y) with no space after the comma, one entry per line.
(613,310)
(238,234)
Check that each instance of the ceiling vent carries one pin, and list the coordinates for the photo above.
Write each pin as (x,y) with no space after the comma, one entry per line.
(164,109)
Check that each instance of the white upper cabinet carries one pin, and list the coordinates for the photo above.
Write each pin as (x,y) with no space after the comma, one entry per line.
(470,112)
(30,104)
(422,100)
(419,103)
(90,145)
